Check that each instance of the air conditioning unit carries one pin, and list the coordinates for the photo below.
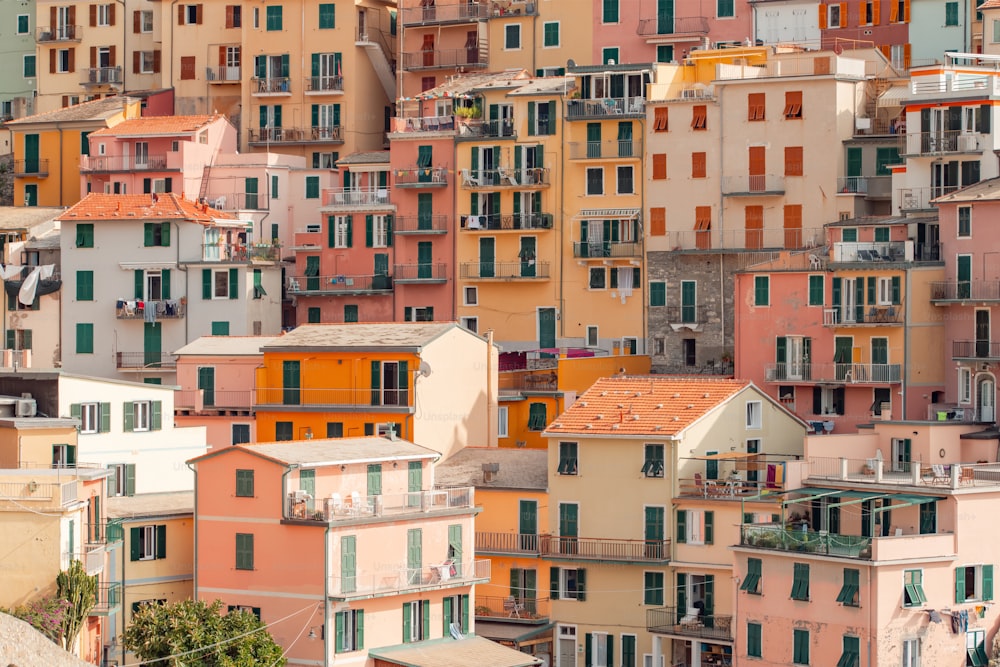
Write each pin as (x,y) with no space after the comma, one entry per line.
(966,142)
(26,407)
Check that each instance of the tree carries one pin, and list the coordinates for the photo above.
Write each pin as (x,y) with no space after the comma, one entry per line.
(236,639)
(80,590)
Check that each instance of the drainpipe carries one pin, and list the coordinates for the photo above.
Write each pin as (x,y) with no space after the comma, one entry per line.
(326,594)
(489,387)
(60,130)
(170,19)
(906,346)
(194,586)
(561,312)
(124,37)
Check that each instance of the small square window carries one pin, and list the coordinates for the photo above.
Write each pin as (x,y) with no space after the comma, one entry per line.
(470,323)
(598,278)
(23,24)
(964,221)
(550,34)
(29,67)
(470,296)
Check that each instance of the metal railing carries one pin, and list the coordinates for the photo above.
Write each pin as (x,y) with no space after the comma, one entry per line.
(751,184)
(334,197)
(512,383)
(493,222)
(60,33)
(226,399)
(415,273)
(607,149)
(517,608)
(385,578)
(574,548)
(975,349)
(873,252)
(110,163)
(849,316)
(223,74)
(777,536)
(231,252)
(38,167)
(105,532)
(688,623)
(334,396)
(109,599)
(492,129)
(270,85)
(171,309)
(508,543)
(339,284)
(40,494)
(747,239)
(942,141)
(697,25)
(423,124)
(325,84)
(504,270)
(962,290)
(420,177)
(420,224)
(92,558)
(102,75)
(296,135)
(607,249)
(834,373)
(240,201)
(356,506)
(870,186)
(144,360)
(690,314)
(919,199)
(505,177)
(456,12)
(632,107)
(445,58)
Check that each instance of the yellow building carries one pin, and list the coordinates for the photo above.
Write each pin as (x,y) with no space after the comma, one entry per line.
(48,146)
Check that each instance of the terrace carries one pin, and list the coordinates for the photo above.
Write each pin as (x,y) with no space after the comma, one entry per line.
(384,579)
(833,373)
(574,548)
(388,399)
(682,623)
(387,507)
(340,284)
(517,609)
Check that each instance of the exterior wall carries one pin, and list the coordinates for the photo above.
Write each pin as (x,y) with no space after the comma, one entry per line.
(29,572)
(519,433)
(18,89)
(170,578)
(930,35)
(858,32)
(232,401)
(776,23)
(44,325)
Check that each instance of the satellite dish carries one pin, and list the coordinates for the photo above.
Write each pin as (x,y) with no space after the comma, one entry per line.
(425,369)
(570,63)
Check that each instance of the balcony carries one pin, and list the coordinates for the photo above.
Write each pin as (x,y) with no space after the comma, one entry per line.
(335,397)
(741,240)
(904,546)
(92,558)
(474,57)
(690,25)
(383,580)
(516,8)
(919,199)
(240,201)
(424,124)
(421,177)
(231,252)
(339,285)
(515,383)
(353,198)
(324,85)
(508,543)
(31,168)
(874,471)
(505,177)
(388,507)
(833,373)
(186,400)
(223,74)
(443,14)
(688,623)
(333,134)
(420,273)
(482,223)
(102,76)
(487,129)
(132,309)
(611,149)
(145,361)
(61,33)
(975,350)
(604,549)
(109,164)
(869,253)
(870,187)
(420,224)
(690,316)
(604,249)
(760,185)
(942,142)
(870,316)
(518,610)
(109,599)
(505,270)
(40,496)
(270,86)
(962,290)
(607,108)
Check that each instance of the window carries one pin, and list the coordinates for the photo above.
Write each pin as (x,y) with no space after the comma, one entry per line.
(470,323)
(455,612)
(240,434)
(625,181)
(660,119)
(851,654)
(28,67)
(274,17)
(256,17)
(550,34)
(244,551)
(156,233)
(800,647)
(849,591)
(964,385)
(609,11)
(816,290)
(189,14)
(610,55)
(657,293)
(793,103)
(761,291)
(751,582)
(325,160)
(146,21)
(975,648)
(593,337)
(974,583)
(911,653)
(755,106)
(913,588)
(653,464)
(754,643)
(143,415)
(653,588)
(222,283)
(94,417)
(84,338)
(274,187)
(834,15)
(512,36)
(148,542)
(793,161)
(23,24)
(314,316)
(568,463)
(595,180)
(689,351)
(64,60)
(885,157)
(950,13)
(598,277)
(244,483)
(665,53)
(699,117)
(536,417)
(340,228)
(695,527)
(84,285)
(378,231)
(568,584)
(121,482)
(502,429)
(470,296)
(350,628)
(416,621)
(800,581)
(148,61)
(888,290)
(659,166)
(698,165)
(327,16)
(964,221)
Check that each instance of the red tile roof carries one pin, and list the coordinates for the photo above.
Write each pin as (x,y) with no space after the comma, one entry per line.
(646,405)
(151,125)
(989,4)
(165,206)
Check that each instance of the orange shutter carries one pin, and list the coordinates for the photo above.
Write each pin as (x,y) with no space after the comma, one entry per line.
(843,15)
(793,226)
(886,51)
(822,16)
(793,160)
(906,55)
(112,60)
(659,166)
(754,226)
(755,106)
(658,221)
(699,117)
(703,227)
(698,168)
(757,160)
(893,11)
(876,11)
(180,14)
(906,11)
(229,16)
(660,118)
(222,56)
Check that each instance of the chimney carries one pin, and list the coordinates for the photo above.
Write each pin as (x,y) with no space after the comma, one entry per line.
(490,471)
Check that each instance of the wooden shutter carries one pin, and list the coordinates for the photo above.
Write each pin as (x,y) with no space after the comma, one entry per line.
(93,16)
(161,541)
(156,61)
(52,67)
(71,66)
(659,166)
(180,14)
(93,55)
(229,16)
(197,13)
(698,167)
(112,55)
(136,61)
(111,14)
(658,221)
(137,21)
(822,16)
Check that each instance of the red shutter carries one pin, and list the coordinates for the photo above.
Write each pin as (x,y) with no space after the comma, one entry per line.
(136,62)
(72,15)
(93,55)
(222,56)
(112,61)
(229,16)
(111,13)
(180,14)
(156,61)
(53,21)
(137,22)
(93,16)
(72,61)
(198,15)
(822,17)
(52,61)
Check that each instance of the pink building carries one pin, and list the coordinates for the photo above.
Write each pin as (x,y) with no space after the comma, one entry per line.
(217,378)
(862,24)
(344,539)
(882,557)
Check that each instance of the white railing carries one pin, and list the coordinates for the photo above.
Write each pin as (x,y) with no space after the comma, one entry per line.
(386,578)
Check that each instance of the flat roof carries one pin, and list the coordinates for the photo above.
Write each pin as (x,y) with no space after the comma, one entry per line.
(362,335)
(150,504)
(227,346)
(331,451)
(448,652)
(517,468)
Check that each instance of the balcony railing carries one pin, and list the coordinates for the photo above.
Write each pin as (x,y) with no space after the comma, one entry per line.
(606,108)
(919,199)
(240,201)
(940,142)
(505,177)
(40,495)
(984,350)
(690,25)
(500,222)
(522,609)
(508,543)
(220,399)
(446,58)
(420,273)
(491,129)
(424,124)
(100,76)
(338,396)
(505,270)
(171,309)
(271,85)
(231,252)
(109,599)
(868,252)
(777,536)
(223,74)
(123,163)
(39,168)
(61,33)
(456,12)
(753,185)
(324,84)
(691,314)
(512,383)
(599,249)
(421,177)
(834,373)
(747,239)
(333,134)
(382,579)
(339,284)
(145,361)
(688,623)
(848,316)
(574,548)
(352,197)
(872,187)
(420,224)
(358,507)
(92,558)
(607,149)
(966,290)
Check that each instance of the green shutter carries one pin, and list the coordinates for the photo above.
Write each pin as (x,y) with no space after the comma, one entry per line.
(348,563)
(426,619)
(680,534)
(588,660)
(129,420)
(130,479)
(161,541)
(554,583)
(657,293)
(139,281)
(206,283)
(959,584)
(234,283)
(709,527)
(148,239)
(987,582)
(338,646)
(369,231)
(581,585)
(407,619)
(780,350)
(134,552)
(446,611)
(871,290)
(895,290)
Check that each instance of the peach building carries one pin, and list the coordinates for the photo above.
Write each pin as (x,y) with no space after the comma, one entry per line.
(879,557)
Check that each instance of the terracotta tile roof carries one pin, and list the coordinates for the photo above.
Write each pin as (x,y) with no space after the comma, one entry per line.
(989,4)
(166,206)
(166,125)
(467,83)
(645,405)
(988,190)
(93,110)
(365,157)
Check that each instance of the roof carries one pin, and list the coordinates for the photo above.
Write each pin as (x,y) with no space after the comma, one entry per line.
(548,85)
(988,190)
(511,632)
(169,125)
(21,644)
(150,504)
(989,4)
(164,206)
(332,451)
(518,468)
(448,652)
(469,83)
(644,405)
(50,240)
(227,346)
(365,157)
(26,217)
(94,110)
(388,336)
(873,221)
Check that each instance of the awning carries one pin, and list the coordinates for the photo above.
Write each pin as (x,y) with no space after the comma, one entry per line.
(723,456)
(609,213)
(449,652)
(854,496)
(894,97)
(516,633)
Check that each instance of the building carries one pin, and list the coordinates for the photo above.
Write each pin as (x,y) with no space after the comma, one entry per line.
(669,448)
(434,383)
(199,270)
(19,81)
(877,559)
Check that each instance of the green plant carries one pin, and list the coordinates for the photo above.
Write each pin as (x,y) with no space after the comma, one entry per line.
(46,614)
(80,590)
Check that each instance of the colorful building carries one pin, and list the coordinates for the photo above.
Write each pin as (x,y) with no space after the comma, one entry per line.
(19,81)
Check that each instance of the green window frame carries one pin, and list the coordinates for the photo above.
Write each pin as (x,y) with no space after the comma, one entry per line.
(657,293)
(244,484)
(350,630)
(568,459)
(84,338)
(913,588)
(725,9)
(220,328)
(84,285)
(665,53)
(628,651)
(313,315)
(244,551)
(327,16)
(23,24)
(754,640)
(653,588)
(851,655)
(84,235)
(817,286)
(849,590)
(800,646)
(537,417)
(751,582)
(29,67)
(425,156)
(800,581)
(653,465)
(951,13)
(762,291)
(964,221)
(351,312)
(609,11)
(156,235)
(550,34)
(312,187)
(881,234)
(512,36)
(274,17)
(610,54)
(975,648)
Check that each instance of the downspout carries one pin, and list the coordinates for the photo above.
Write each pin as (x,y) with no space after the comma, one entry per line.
(906,349)
(489,387)
(60,130)
(722,236)
(561,312)
(194,583)
(644,303)
(170,20)
(326,594)
(124,48)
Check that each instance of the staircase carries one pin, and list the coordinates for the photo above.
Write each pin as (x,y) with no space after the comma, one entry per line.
(375,44)
(206,172)
(874,88)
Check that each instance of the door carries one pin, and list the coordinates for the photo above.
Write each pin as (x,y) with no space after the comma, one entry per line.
(987,400)
(414,483)
(290,383)
(625,139)
(664,17)
(964,276)
(312,273)
(795,354)
(843,348)
(487,265)
(151,342)
(880,360)
(472,47)
(206,383)
(141,155)
(983,334)
(901,451)
(757,166)
(654,530)
(568,527)
(689,296)
(414,554)
(854,180)
(381,269)
(753,448)
(425,210)
(425,257)
(546,328)
(593,140)
(527,256)
(527,525)
(848,305)
(31,154)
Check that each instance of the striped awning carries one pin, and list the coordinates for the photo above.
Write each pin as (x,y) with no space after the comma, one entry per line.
(608,214)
